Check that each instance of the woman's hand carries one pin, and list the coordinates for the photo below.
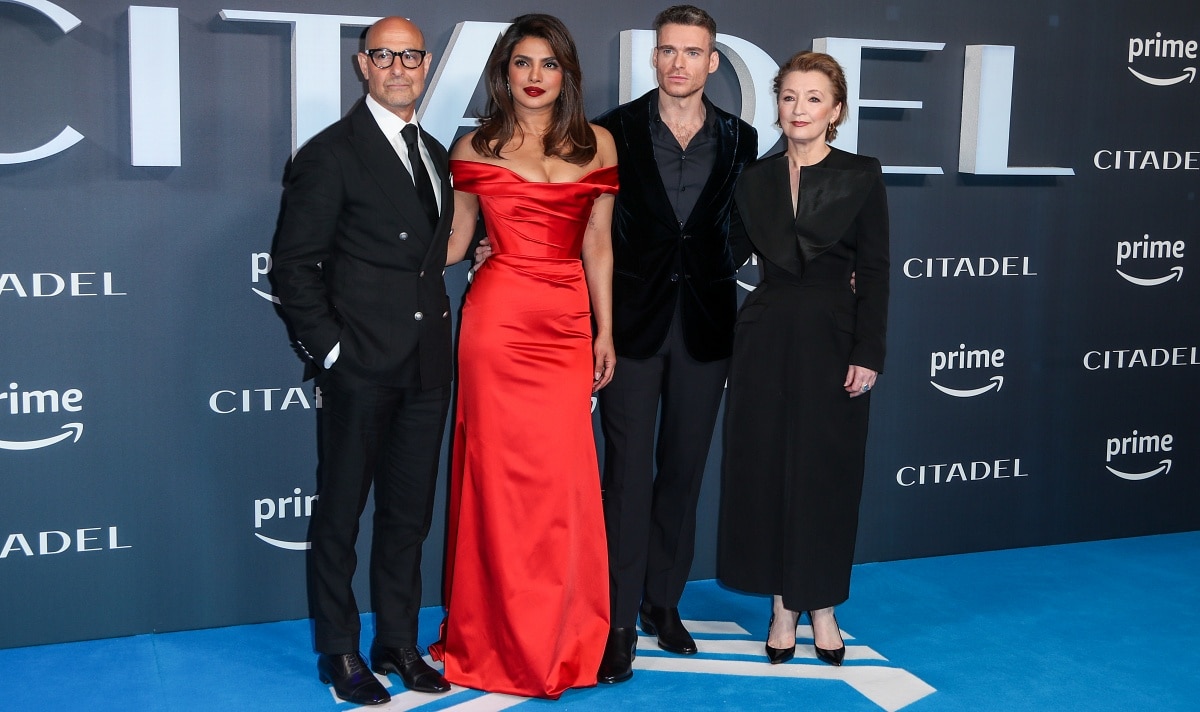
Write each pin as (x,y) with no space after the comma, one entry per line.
(859,380)
(604,360)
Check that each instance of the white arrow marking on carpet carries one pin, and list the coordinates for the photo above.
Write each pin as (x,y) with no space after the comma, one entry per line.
(490,703)
(889,687)
(403,699)
(715,628)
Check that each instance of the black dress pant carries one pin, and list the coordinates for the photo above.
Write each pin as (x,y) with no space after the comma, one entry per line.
(651,490)
(391,438)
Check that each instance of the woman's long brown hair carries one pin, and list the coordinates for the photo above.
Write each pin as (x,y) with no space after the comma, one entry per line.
(570,137)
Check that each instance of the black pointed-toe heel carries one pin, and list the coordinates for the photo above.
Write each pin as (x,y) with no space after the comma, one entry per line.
(775,656)
(832,657)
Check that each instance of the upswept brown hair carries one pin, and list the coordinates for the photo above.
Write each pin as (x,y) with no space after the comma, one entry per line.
(570,137)
(689,15)
(806,61)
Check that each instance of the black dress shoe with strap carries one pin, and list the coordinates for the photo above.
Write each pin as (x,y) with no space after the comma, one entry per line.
(407,662)
(351,679)
(619,652)
(665,624)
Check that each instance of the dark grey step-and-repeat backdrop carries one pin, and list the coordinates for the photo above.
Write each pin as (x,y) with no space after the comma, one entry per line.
(157,449)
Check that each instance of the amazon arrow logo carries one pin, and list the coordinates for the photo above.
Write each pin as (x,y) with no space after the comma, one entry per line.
(996,383)
(1163,468)
(1175,274)
(76,428)
(283,544)
(1189,75)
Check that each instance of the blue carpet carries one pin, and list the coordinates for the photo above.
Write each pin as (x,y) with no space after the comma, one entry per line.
(1094,626)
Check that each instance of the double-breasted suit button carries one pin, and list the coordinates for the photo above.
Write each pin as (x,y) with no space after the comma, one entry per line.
(422,273)
(418,316)
(675,277)
(404,236)
(445,315)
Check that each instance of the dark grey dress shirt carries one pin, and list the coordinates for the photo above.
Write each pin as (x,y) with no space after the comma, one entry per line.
(684,171)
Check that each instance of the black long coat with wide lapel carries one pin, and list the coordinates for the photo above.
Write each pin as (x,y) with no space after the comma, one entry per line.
(840,227)
(795,442)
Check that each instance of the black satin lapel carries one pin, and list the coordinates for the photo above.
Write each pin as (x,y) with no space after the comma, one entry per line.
(829,202)
(765,203)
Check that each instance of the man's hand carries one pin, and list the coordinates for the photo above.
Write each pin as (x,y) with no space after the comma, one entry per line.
(482,252)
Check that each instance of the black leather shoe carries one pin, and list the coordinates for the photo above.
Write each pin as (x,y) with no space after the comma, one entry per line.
(619,652)
(665,624)
(406,662)
(351,679)
(775,656)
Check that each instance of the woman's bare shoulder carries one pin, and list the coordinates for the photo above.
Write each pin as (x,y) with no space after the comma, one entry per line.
(463,150)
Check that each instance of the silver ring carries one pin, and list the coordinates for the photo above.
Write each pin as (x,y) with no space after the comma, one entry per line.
(866,387)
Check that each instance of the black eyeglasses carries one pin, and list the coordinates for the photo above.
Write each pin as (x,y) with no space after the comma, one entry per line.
(383,57)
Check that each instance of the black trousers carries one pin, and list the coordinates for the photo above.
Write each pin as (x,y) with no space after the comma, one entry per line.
(651,489)
(391,438)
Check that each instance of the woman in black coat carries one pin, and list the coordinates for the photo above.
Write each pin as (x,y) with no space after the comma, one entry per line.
(808,346)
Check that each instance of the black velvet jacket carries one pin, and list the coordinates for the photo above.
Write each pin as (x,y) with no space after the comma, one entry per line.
(656,262)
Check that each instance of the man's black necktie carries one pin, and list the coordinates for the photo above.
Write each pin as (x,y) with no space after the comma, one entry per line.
(420,176)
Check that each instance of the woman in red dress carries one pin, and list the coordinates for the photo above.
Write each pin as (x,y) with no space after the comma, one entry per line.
(526,590)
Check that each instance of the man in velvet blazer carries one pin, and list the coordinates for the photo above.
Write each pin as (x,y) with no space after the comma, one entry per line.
(674,304)
(358,261)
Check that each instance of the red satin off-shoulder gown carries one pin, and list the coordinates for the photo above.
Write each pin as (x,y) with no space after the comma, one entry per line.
(526,589)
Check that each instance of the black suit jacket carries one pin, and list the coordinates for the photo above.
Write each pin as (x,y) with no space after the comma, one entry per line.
(355,261)
(840,228)
(657,263)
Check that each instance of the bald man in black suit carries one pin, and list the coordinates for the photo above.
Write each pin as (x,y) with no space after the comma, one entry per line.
(358,259)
